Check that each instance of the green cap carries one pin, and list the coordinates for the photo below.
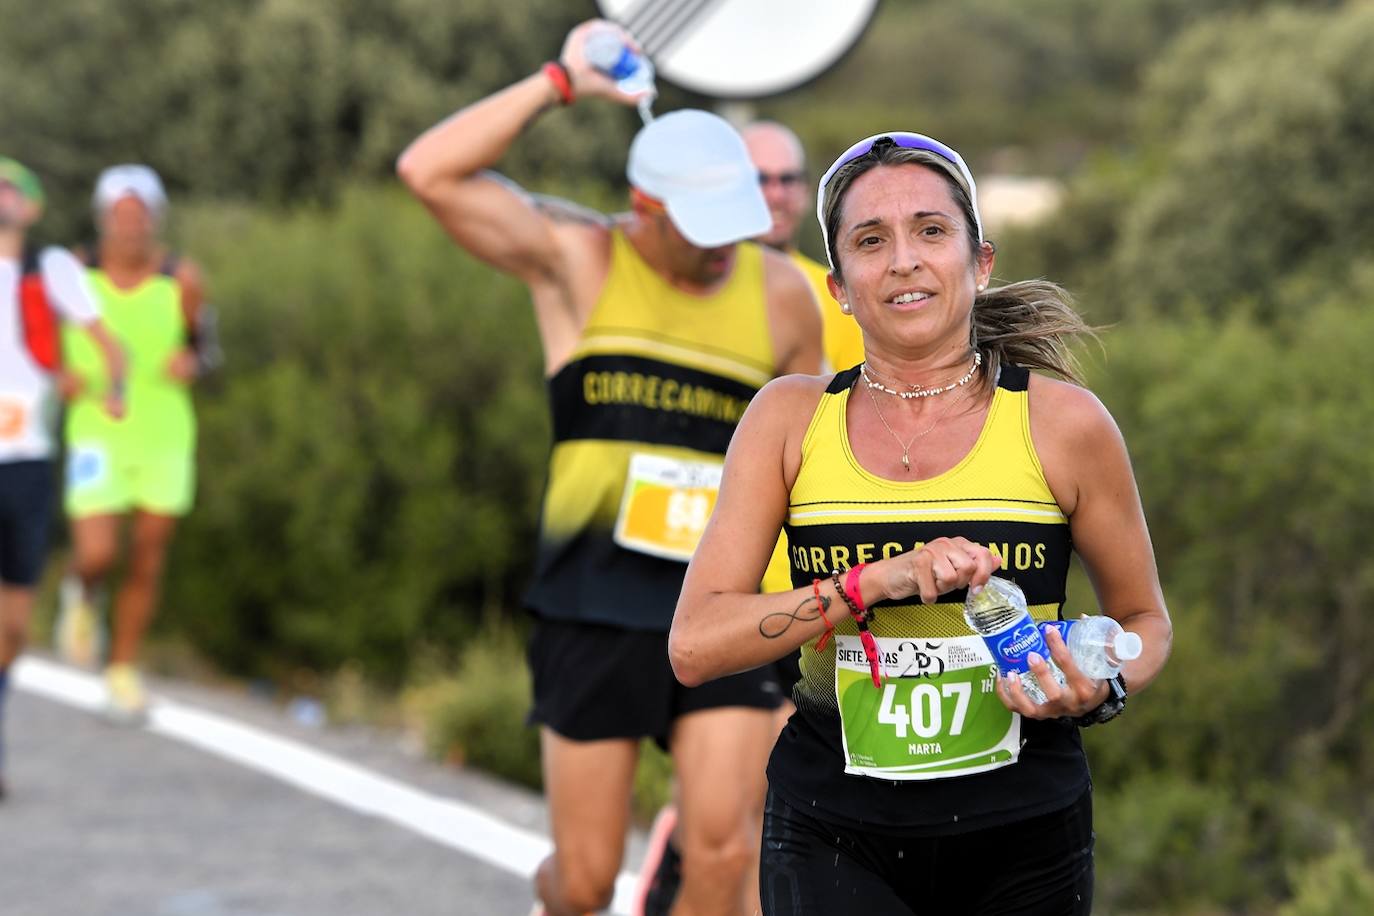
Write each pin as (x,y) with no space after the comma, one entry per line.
(25,181)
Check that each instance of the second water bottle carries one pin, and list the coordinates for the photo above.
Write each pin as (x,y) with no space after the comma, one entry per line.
(1098,644)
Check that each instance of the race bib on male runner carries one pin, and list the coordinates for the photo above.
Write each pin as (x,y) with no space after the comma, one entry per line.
(666,505)
(937,714)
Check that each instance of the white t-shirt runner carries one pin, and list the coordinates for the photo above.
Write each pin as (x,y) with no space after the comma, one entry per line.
(27,398)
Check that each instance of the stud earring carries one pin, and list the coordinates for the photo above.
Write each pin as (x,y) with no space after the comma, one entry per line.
(982,286)
(844,307)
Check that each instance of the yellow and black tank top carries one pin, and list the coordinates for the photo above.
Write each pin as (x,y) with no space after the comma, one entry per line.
(840,515)
(659,376)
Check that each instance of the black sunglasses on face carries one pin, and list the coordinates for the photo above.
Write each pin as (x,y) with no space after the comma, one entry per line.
(786,179)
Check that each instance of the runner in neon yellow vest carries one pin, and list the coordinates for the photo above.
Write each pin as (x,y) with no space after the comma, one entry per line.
(143,469)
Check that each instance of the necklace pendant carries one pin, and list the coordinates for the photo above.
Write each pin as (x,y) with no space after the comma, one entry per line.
(906,463)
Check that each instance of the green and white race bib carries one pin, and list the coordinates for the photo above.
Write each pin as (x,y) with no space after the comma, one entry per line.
(936,715)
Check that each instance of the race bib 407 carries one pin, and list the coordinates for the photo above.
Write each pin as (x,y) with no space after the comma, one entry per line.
(936,715)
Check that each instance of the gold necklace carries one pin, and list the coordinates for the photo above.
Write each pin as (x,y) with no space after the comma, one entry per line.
(920,391)
(906,449)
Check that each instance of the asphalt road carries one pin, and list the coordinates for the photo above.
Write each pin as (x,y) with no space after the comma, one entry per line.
(113,821)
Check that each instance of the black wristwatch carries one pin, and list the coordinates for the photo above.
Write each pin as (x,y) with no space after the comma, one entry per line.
(1109,708)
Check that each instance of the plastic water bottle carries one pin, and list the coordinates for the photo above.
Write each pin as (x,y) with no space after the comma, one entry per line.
(1098,644)
(608,52)
(998,613)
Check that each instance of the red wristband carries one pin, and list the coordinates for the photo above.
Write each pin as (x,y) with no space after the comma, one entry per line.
(558,75)
(820,606)
(851,587)
(849,591)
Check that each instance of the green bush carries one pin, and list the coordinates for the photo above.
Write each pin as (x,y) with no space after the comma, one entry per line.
(1335,884)
(475,716)
(371,458)
(653,781)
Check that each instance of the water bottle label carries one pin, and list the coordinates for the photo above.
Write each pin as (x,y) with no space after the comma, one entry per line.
(937,714)
(1013,647)
(1063,626)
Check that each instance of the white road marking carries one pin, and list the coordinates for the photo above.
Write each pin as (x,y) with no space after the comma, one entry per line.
(443,820)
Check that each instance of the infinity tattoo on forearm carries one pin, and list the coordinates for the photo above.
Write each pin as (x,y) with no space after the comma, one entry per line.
(809,609)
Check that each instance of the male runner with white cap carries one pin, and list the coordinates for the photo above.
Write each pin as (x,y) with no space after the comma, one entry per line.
(778,155)
(37,290)
(657,326)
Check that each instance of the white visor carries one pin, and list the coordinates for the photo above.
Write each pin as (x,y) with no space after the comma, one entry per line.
(123,180)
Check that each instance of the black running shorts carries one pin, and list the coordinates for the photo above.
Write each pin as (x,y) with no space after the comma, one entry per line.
(1041,866)
(593,682)
(26,495)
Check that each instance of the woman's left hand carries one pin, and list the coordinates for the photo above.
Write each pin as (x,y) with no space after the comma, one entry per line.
(1079,695)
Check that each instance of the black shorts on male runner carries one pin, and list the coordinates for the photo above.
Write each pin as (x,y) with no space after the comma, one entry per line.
(593,682)
(26,493)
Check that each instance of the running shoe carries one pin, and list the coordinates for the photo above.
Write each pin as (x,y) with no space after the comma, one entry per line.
(125,700)
(79,638)
(661,874)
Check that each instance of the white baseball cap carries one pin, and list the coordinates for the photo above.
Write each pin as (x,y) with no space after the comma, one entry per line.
(698,166)
(122,180)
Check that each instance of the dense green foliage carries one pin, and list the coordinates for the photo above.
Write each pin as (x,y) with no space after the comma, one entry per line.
(372,456)
(269,100)
(1246,181)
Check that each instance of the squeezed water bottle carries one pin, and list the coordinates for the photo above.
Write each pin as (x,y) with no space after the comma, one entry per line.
(607,51)
(1098,644)
(998,613)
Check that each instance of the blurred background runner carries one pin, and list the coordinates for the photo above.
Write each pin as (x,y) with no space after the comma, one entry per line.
(38,291)
(140,473)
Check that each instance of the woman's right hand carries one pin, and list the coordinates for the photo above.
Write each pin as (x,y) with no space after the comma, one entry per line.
(941,566)
(587,81)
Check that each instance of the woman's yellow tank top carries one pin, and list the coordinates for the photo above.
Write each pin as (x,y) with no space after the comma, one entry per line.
(840,515)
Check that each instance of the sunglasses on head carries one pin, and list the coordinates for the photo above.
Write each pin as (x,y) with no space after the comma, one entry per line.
(904,140)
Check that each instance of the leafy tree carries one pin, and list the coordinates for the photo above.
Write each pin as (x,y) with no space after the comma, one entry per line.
(1264,124)
(1249,448)
(272,100)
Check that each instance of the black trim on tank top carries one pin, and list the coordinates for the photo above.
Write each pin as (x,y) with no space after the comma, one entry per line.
(844,380)
(1034,555)
(1011,378)
(1014,378)
(637,399)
